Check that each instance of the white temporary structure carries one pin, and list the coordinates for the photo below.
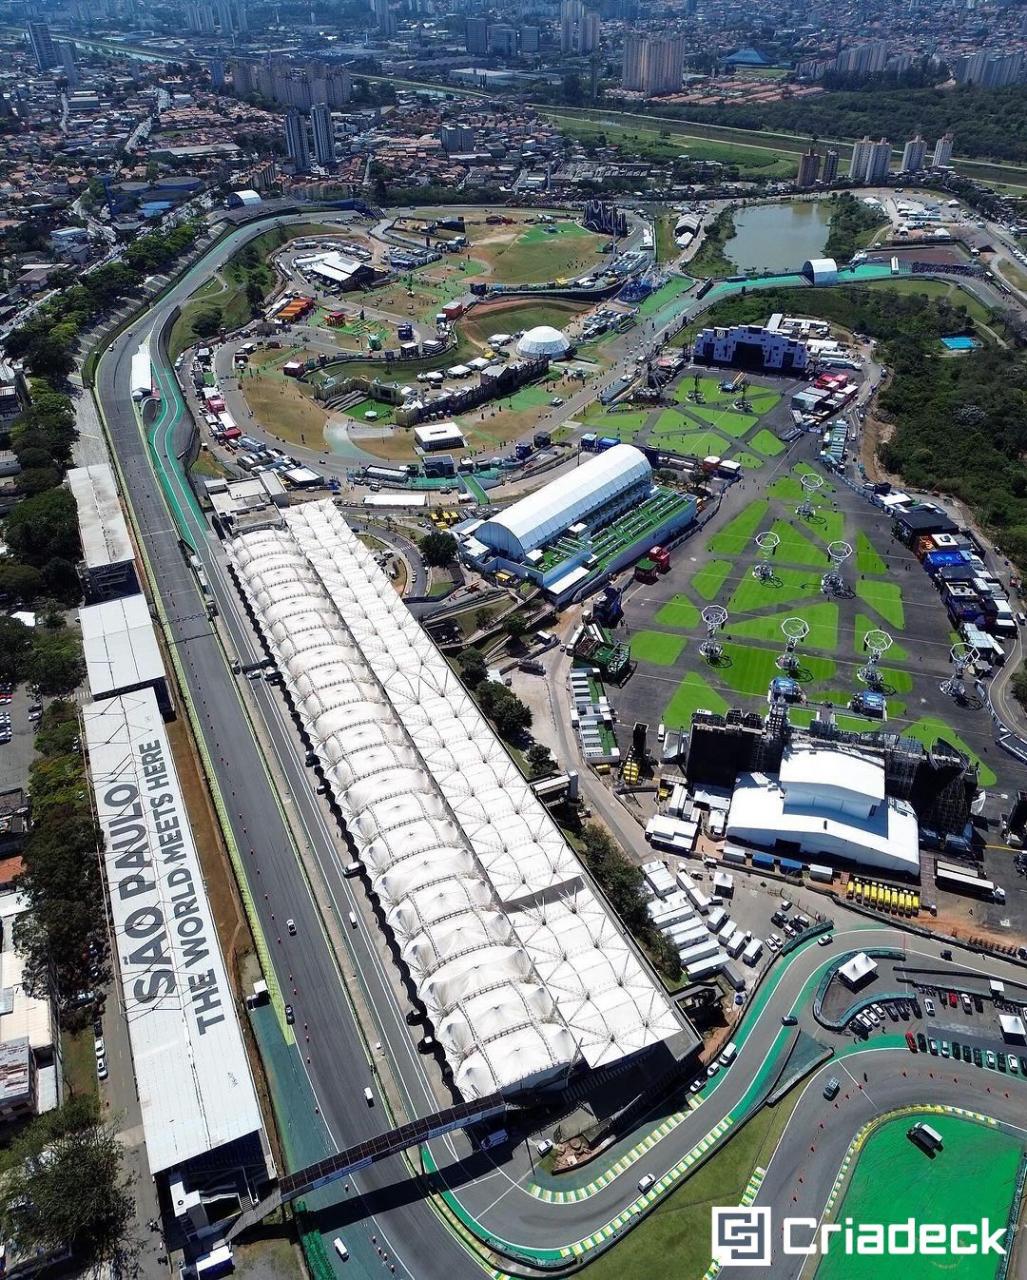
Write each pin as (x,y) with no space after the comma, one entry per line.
(519,964)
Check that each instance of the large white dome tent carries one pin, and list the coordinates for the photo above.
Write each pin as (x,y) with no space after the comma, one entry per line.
(544,340)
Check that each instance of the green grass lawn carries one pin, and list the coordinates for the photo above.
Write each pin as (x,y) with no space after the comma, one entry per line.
(704,444)
(786,586)
(894,1180)
(692,694)
(383,410)
(546,252)
(679,612)
(827,525)
(786,489)
(731,423)
(803,717)
(865,624)
(885,598)
(710,578)
(867,558)
(822,620)
(739,532)
(674,288)
(749,670)
(796,548)
(766,442)
(657,647)
(749,460)
(79,1062)
(929,729)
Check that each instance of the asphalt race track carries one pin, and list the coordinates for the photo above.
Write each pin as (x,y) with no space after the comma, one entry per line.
(384,1202)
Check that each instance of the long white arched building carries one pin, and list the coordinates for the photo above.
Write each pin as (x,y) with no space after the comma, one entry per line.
(522,969)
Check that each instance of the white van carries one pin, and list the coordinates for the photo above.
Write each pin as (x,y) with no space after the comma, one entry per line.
(646,1182)
(661,732)
(728,1056)
(544,1147)
(369,1097)
(352,920)
(353,869)
(340,1248)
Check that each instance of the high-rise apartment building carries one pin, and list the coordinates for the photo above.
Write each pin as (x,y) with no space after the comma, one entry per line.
(990,70)
(217,73)
(529,39)
(863,59)
(653,65)
(830,171)
(66,50)
(456,139)
(502,40)
(296,144)
(43,48)
(476,35)
(871,161)
(199,18)
(385,19)
(914,153)
(579,28)
(943,151)
(809,168)
(324,134)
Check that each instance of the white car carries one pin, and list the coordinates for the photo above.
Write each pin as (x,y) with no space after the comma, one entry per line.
(99,1048)
(101,1068)
(929,1006)
(290,924)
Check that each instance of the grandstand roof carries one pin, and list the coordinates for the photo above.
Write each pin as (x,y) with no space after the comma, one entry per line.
(520,966)
(542,515)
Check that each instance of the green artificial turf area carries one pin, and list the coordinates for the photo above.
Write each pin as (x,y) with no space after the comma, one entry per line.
(703,444)
(827,525)
(786,489)
(867,558)
(886,598)
(864,624)
(694,693)
(929,729)
(657,647)
(710,578)
(726,420)
(803,717)
(822,620)
(379,407)
(739,532)
(679,612)
(766,442)
(748,460)
(749,670)
(796,548)
(786,586)
(894,1180)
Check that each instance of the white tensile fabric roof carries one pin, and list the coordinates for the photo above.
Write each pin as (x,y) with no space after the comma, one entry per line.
(518,963)
(571,497)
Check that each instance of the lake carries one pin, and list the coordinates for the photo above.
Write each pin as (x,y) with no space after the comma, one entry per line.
(778,237)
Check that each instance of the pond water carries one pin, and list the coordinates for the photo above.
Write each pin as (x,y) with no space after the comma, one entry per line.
(778,237)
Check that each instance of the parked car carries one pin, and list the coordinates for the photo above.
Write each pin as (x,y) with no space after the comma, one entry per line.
(929,1006)
(831,1088)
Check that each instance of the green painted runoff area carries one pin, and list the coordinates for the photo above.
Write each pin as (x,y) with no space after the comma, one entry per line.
(822,620)
(692,694)
(784,587)
(739,532)
(864,624)
(894,1180)
(747,669)
(867,558)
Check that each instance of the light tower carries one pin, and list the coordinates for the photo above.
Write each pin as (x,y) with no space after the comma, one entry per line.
(714,617)
(767,544)
(795,630)
(963,658)
(832,583)
(811,485)
(876,643)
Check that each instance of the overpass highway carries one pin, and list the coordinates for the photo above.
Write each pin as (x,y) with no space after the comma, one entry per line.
(259,767)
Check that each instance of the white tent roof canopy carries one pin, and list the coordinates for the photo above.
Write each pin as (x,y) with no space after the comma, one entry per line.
(520,966)
(573,496)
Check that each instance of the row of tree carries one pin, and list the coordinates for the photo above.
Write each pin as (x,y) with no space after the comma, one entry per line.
(63,934)
(48,341)
(851,221)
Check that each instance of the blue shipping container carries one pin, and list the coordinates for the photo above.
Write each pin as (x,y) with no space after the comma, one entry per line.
(790,867)
(763,860)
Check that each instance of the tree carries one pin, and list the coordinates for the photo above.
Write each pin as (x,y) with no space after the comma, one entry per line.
(473,668)
(35,480)
(1018,685)
(438,549)
(515,626)
(55,663)
(540,761)
(15,640)
(18,582)
(207,323)
(254,297)
(64,1186)
(44,526)
(482,618)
